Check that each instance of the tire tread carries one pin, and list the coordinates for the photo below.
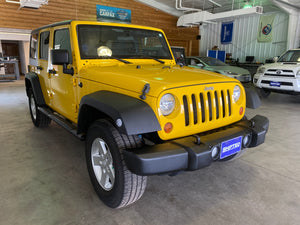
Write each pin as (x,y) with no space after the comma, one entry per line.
(134,185)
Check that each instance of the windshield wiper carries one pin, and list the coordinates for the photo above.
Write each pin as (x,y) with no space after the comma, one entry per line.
(147,57)
(113,57)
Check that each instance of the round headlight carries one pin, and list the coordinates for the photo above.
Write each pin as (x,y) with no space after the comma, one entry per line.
(167,104)
(236,93)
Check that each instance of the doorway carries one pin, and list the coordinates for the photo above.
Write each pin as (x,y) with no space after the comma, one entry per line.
(10,51)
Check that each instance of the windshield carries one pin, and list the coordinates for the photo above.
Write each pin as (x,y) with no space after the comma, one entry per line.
(290,56)
(212,61)
(107,41)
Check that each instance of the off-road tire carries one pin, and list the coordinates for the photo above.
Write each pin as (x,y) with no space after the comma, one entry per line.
(38,118)
(125,187)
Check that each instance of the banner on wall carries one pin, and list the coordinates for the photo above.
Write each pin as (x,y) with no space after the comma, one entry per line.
(112,14)
(226,32)
(265,28)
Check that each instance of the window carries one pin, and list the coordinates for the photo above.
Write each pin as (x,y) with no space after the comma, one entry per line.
(290,56)
(194,62)
(44,44)
(33,46)
(212,61)
(123,42)
(62,41)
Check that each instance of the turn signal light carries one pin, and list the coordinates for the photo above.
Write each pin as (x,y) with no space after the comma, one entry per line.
(241,110)
(168,127)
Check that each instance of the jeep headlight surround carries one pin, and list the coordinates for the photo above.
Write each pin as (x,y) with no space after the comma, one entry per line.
(261,69)
(167,104)
(236,93)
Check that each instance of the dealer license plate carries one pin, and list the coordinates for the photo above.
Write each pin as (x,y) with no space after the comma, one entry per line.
(231,147)
(275,84)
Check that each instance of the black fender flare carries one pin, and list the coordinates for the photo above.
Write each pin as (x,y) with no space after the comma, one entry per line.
(252,98)
(130,115)
(32,80)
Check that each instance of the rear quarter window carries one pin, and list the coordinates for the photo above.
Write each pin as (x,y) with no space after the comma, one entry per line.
(44,45)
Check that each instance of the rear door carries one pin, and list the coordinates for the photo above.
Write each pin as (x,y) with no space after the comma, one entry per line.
(43,58)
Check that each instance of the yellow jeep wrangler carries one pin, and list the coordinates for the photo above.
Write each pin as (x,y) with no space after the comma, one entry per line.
(117,87)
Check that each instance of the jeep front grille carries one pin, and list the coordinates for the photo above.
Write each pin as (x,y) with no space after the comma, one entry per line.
(279,73)
(206,107)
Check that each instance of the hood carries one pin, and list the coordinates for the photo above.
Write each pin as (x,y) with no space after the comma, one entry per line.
(233,69)
(133,77)
(283,65)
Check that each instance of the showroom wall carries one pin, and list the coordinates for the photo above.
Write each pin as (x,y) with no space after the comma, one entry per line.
(244,39)
(58,10)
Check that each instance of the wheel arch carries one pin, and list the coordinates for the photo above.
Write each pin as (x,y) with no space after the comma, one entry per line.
(32,81)
(136,116)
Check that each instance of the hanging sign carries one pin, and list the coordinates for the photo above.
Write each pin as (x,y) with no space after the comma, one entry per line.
(112,14)
(265,28)
(226,32)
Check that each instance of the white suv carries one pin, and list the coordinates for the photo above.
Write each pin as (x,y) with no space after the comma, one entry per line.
(282,76)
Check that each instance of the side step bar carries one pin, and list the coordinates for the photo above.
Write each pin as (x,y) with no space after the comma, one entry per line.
(62,122)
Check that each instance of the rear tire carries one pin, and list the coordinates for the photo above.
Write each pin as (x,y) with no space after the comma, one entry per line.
(39,119)
(115,185)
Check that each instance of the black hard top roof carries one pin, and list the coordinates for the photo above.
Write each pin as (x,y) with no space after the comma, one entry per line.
(52,25)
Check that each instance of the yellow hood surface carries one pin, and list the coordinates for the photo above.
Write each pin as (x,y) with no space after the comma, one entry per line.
(161,77)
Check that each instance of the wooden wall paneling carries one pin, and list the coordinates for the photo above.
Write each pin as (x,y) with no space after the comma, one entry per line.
(58,10)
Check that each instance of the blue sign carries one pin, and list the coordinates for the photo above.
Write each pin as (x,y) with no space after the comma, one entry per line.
(112,14)
(275,84)
(231,147)
(226,32)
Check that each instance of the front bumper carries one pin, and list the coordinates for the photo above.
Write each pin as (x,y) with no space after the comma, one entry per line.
(286,84)
(185,154)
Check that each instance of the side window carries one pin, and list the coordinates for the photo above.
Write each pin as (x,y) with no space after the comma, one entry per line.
(33,46)
(62,41)
(194,62)
(44,44)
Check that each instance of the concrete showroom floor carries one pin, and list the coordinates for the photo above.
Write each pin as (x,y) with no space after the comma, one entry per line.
(44,180)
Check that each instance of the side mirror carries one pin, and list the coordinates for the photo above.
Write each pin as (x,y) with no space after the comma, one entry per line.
(61,57)
(275,59)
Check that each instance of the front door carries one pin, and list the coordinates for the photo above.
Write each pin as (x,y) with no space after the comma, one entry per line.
(63,85)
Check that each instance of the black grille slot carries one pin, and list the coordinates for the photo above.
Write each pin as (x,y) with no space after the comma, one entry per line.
(217,105)
(229,103)
(285,71)
(209,106)
(278,75)
(194,109)
(202,107)
(223,103)
(186,110)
